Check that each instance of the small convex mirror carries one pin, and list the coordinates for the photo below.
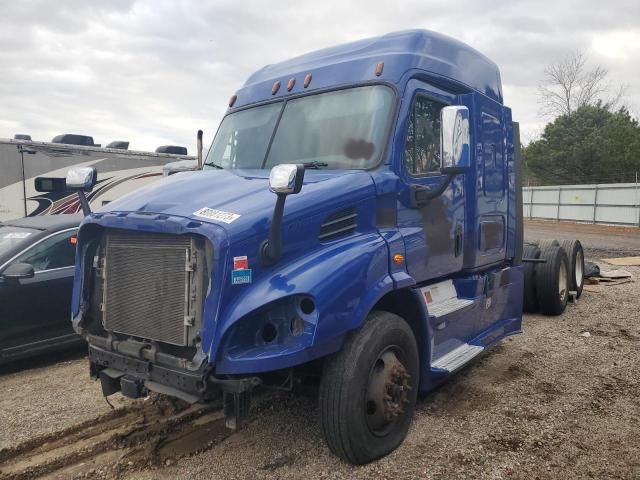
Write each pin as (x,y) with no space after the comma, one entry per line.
(81,178)
(286,178)
(454,139)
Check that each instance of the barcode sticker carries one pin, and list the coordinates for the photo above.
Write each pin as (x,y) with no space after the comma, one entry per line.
(212,214)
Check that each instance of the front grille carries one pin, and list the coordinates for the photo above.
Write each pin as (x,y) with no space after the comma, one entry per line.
(148,285)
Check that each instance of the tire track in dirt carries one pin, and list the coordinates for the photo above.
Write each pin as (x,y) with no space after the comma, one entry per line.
(148,433)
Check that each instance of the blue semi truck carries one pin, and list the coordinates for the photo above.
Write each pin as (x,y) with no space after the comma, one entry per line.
(358,218)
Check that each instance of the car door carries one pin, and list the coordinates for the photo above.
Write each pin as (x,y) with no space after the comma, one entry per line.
(433,232)
(38,309)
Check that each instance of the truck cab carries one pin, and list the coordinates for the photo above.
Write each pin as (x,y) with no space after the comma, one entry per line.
(356,218)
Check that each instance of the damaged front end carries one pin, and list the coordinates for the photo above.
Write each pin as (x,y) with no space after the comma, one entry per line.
(141,309)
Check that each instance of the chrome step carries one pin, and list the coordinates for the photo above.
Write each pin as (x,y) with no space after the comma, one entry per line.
(457,357)
(442,299)
(448,306)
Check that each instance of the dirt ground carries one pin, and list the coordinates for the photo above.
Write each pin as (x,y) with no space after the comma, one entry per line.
(598,240)
(560,401)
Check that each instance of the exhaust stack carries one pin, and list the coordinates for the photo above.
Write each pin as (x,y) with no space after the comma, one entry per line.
(199,148)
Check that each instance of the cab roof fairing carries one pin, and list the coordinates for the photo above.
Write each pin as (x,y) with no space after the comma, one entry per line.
(356,62)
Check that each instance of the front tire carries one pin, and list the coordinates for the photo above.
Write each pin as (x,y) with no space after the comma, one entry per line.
(369,389)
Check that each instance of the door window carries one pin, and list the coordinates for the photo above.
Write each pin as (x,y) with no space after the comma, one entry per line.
(422,145)
(54,252)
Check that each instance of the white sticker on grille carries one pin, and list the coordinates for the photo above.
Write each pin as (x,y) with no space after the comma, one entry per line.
(226,217)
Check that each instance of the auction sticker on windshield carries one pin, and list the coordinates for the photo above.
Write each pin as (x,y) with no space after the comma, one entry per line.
(212,214)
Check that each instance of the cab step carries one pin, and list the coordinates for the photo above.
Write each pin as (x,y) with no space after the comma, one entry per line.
(457,357)
(442,299)
(448,306)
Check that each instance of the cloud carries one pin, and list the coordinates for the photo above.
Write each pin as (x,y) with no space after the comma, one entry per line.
(153,72)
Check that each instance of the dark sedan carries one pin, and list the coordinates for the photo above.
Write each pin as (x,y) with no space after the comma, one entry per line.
(36,277)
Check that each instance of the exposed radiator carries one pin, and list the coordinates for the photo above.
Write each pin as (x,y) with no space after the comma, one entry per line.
(148,285)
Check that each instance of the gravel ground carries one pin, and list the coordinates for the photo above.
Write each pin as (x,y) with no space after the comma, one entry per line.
(45,395)
(554,402)
(551,403)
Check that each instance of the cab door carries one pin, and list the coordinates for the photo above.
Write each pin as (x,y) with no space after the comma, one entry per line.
(492,183)
(433,232)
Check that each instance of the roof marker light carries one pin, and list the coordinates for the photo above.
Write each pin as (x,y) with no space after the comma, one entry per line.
(232,100)
(307,80)
(276,87)
(379,68)
(290,84)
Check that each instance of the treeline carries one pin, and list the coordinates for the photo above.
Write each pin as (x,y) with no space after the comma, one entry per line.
(590,145)
(591,139)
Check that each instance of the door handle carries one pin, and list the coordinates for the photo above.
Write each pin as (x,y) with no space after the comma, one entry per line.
(458,241)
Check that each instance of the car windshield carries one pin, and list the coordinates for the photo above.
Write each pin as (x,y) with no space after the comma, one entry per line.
(11,237)
(343,129)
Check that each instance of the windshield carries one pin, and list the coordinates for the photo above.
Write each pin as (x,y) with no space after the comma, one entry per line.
(343,129)
(11,237)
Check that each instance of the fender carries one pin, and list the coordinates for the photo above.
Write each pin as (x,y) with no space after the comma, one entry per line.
(335,278)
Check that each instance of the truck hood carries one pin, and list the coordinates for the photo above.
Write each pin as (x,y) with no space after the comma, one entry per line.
(240,199)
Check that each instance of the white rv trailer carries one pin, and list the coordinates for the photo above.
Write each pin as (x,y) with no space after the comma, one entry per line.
(119,172)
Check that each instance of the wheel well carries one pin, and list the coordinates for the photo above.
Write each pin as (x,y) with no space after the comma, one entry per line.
(406,305)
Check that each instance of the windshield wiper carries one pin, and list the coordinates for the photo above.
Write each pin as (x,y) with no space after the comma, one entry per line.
(315,165)
(214,166)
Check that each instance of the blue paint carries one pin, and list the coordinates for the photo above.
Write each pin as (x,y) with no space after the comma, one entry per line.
(347,276)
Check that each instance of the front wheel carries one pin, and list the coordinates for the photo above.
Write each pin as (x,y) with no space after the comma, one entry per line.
(369,389)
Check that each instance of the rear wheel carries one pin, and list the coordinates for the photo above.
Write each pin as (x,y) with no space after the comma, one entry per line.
(547,243)
(369,389)
(530,301)
(552,280)
(575,253)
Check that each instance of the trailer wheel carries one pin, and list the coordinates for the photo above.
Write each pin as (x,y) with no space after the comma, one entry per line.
(552,280)
(369,389)
(530,301)
(576,264)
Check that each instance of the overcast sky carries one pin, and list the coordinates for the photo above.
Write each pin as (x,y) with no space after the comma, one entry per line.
(153,72)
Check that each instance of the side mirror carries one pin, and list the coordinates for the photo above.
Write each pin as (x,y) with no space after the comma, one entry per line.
(81,178)
(454,153)
(18,271)
(454,140)
(284,179)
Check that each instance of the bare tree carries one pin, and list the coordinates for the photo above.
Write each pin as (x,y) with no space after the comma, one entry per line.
(570,84)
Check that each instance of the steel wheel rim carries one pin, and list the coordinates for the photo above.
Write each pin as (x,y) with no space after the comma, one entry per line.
(579,270)
(387,393)
(562,281)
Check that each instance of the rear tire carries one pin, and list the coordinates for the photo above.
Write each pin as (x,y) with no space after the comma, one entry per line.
(547,243)
(530,301)
(369,389)
(552,280)
(574,251)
